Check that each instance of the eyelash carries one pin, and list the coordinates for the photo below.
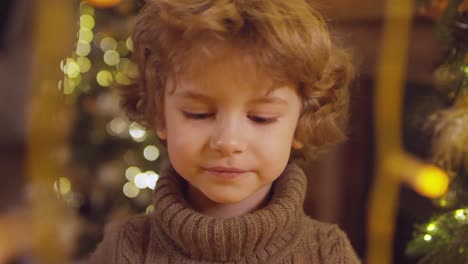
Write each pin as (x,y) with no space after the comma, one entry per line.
(256,119)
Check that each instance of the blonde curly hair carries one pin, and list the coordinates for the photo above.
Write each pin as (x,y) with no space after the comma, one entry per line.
(288,39)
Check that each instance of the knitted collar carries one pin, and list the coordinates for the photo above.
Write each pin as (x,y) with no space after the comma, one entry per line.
(260,235)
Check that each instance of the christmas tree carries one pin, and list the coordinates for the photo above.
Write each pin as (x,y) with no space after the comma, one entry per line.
(113,162)
(444,238)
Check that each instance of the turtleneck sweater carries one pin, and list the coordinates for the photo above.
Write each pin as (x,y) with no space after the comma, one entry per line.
(175,232)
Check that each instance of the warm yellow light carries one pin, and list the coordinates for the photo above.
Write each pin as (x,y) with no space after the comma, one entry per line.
(83,48)
(427,237)
(86,35)
(84,63)
(431,181)
(103,3)
(131,172)
(141,180)
(67,86)
(460,214)
(151,153)
(149,209)
(152,179)
(137,132)
(87,21)
(108,43)
(104,78)
(431,227)
(86,9)
(129,44)
(63,185)
(120,78)
(118,126)
(111,57)
(130,190)
(71,68)
(122,48)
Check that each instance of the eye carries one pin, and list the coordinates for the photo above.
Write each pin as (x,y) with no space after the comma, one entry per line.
(262,120)
(198,116)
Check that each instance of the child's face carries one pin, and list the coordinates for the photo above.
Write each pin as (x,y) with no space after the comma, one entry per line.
(222,115)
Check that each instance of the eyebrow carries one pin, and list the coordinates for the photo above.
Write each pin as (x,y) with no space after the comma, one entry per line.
(261,100)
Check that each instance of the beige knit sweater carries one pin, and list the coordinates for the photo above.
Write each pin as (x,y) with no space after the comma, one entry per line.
(176,233)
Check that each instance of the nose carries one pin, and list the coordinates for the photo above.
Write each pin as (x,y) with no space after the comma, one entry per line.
(228,136)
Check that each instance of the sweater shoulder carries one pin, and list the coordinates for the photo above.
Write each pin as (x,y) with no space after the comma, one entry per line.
(331,242)
(123,241)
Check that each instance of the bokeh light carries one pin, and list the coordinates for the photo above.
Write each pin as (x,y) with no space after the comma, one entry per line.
(131,172)
(103,3)
(431,181)
(149,209)
(141,180)
(108,43)
(120,78)
(85,35)
(104,78)
(118,126)
(153,178)
(86,9)
(87,21)
(129,44)
(84,63)
(431,227)
(427,237)
(137,132)
(460,215)
(130,190)
(111,57)
(122,48)
(71,68)
(83,48)
(151,153)
(63,185)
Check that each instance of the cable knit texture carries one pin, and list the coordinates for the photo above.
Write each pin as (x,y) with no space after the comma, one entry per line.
(176,233)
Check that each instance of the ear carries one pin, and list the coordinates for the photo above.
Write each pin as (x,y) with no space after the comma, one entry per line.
(162,133)
(296,144)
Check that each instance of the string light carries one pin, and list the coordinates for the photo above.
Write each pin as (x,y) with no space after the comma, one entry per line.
(108,43)
(103,3)
(87,21)
(104,78)
(84,63)
(131,172)
(129,44)
(137,132)
(86,35)
(111,57)
(427,237)
(63,186)
(149,209)
(151,153)
(460,215)
(83,48)
(431,227)
(130,190)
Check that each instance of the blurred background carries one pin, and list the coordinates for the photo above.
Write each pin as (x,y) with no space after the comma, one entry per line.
(110,165)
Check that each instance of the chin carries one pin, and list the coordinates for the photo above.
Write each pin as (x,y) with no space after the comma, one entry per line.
(222,198)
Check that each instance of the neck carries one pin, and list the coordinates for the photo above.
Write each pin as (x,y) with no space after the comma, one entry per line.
(208,207)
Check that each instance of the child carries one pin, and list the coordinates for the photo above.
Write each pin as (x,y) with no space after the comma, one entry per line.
(238,91)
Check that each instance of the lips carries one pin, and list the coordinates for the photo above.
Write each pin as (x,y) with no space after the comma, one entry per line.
(226,172)
(226,169)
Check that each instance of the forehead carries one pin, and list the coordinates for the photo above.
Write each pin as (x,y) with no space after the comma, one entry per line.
(223,64)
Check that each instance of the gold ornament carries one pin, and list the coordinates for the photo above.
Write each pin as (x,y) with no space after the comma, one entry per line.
(450,138)
(103,3)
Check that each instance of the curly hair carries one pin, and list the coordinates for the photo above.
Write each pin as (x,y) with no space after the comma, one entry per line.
(288,39)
